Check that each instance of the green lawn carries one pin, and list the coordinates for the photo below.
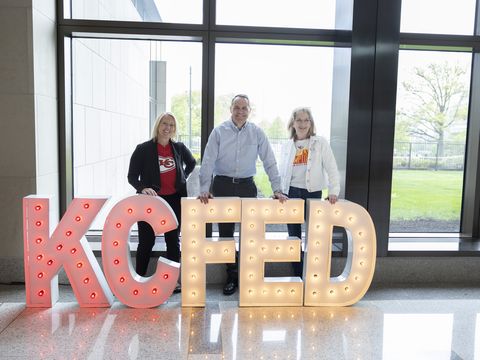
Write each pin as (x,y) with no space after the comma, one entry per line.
(261,180)
(426,194)
(416,194)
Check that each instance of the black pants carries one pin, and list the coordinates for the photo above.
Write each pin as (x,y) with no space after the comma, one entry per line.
(222,187)
(146,238)
(296,229)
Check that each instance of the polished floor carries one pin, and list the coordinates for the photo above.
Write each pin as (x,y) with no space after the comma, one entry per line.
(402,322)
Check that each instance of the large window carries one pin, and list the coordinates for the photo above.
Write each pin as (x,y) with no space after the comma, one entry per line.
(393,88)
(171,11)
(438,16)
(429,147)
(278,79)
(119,89)
(327,14)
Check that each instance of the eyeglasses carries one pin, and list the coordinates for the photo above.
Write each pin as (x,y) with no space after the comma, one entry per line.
(300,121)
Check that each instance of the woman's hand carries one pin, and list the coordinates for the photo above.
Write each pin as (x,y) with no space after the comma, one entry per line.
(332,199)
(149,191)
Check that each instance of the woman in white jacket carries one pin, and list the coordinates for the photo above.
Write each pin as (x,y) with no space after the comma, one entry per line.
(307,167)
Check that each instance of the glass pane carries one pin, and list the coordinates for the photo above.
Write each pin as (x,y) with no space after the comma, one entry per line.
(430,135)
(172,11)
(327,14)
(120,87)
(278,79)
(438,16)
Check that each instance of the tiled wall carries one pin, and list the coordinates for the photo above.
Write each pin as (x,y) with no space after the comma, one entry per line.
(28,120)
(110,104)
(111,114)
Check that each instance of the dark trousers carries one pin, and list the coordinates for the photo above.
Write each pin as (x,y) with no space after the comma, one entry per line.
(222,187)
(296,229)
(146,238)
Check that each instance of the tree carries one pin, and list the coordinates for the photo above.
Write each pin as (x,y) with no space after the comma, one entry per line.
(181,110)
(222,107)
(437,97)
(277,129)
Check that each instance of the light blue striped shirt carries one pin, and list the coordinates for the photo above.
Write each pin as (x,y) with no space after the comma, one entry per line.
(233,152)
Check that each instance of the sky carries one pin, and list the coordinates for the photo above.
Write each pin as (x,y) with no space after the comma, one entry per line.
(424,16)
(269,73)
(299,13)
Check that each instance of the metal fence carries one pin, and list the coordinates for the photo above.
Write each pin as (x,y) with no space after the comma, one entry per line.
(406,155)
(428,156)
(193,143)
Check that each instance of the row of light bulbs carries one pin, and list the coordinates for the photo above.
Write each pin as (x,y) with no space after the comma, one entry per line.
(68,248)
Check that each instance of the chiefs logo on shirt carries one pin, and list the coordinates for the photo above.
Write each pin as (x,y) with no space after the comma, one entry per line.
(301,157)
(166,164)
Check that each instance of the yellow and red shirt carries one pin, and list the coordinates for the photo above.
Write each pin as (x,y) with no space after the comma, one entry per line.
(300,161)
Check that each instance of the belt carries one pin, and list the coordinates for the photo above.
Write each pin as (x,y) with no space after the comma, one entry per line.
(235,180)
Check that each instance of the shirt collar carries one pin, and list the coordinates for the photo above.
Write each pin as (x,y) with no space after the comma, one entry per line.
(233,126)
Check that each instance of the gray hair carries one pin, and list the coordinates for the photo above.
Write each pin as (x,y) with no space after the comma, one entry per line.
(293,117)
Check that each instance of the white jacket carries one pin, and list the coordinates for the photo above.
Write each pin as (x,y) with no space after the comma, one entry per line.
(322,171)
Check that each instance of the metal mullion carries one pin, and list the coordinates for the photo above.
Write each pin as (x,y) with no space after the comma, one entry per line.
(470,219)
(208,91)
(208,74)
(277,30)
(131,25)
(439,40)
(383,120)
(140,33)
(361,102)
(342,40)
(65,139)
(210,8)
(60,10)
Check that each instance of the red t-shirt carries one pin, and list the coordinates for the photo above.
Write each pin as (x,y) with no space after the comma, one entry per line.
(168,173)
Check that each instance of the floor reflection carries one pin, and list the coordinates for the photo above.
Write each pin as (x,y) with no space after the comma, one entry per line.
(387,329)
(423,336)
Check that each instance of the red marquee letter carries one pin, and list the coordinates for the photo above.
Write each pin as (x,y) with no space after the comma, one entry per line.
(67,247)
(129,287)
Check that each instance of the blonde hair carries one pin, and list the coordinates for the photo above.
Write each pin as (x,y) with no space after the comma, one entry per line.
(157,124)
(295,112)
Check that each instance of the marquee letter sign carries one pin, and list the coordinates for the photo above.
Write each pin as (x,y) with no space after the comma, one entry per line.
(353,283)
(255,250)
(45,254)
(197,251)
(129,287)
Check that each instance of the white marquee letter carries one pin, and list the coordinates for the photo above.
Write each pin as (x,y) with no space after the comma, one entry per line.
(255,250)
(197,251)
(353,283)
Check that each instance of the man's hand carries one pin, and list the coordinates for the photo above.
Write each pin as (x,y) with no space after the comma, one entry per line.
(332,199)
(204,197)
(280,196)
(149,191)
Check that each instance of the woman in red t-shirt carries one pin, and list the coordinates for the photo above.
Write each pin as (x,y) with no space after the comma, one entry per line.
(160,167)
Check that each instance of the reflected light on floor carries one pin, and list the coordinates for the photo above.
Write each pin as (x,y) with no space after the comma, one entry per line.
(382,329)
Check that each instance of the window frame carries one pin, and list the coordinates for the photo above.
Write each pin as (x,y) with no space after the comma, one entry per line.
(375,40)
